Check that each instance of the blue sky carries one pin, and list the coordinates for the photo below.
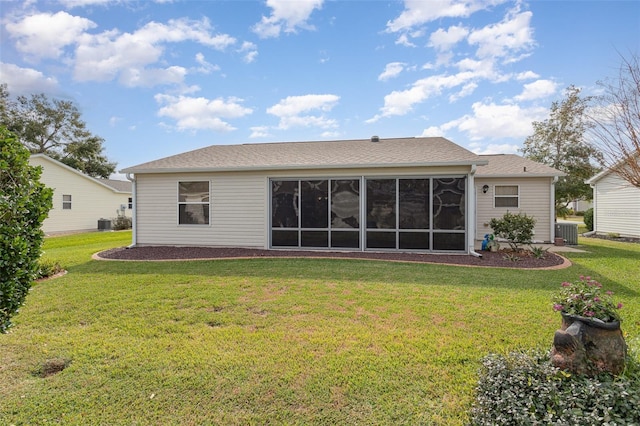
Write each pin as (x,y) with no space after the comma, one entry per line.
(156,78)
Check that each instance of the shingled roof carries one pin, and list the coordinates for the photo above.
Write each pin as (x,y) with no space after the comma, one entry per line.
(118,185)
(374,152)
(511,165)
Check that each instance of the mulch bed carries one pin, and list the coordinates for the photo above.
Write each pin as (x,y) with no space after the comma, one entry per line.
(488,259)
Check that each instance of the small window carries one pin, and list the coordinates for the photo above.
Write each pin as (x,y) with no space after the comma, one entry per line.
(130,203)
(193,203)
(507,196)
(66,202)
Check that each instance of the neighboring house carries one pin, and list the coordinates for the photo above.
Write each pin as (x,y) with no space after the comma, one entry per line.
(616,205)
(79,201)
(517,185)
(580,205)
(377,194)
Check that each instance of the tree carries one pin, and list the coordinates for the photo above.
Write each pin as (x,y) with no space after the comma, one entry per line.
(24,204)
(54,128)
(616,121)
(560,142)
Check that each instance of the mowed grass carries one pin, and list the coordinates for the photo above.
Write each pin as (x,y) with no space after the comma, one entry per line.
(278,341)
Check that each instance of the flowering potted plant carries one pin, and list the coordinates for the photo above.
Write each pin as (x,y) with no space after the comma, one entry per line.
(590,340)
(586,300)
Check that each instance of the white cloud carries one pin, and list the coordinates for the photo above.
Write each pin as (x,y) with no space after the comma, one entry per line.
(466,90)
(113,121)
(403,40)
(446,39)
(22,81)
(205,67)
(392,70)
(287,16)
(81,3)
(45,35)
(250,51)
(493,121)
(432,131)
(401,102)
(106,56)
(291,111)
(200,113)
(418,12)
(537,90)
(527,75)
(260,132)
(511,35)
(504,148)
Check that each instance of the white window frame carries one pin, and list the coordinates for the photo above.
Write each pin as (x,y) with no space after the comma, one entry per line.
(66,204)
(179,203)
(496,196)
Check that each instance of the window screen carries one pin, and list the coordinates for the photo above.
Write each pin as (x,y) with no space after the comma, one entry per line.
(193,203)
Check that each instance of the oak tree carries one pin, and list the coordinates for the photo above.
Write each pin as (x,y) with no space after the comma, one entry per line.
(55,128)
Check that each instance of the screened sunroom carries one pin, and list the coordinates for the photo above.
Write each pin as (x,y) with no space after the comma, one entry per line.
(422,213)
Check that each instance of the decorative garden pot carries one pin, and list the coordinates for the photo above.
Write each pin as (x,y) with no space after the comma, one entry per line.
(588,346)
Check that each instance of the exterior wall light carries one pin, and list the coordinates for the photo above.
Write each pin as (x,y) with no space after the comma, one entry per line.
(485,188)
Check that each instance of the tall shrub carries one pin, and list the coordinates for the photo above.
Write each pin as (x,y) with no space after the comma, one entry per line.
(588,219)
(24,204)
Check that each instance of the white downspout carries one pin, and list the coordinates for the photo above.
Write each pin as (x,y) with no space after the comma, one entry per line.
(134,215)
(471,216)
(552,216)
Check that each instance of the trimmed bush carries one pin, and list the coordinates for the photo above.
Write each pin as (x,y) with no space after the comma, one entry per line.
(517,229)
(121,222)
(588,219)
(24,204)
(523,388)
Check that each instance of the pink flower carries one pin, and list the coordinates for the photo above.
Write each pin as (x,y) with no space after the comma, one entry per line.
(619,306)
(558,307)
(609,292)
(566,284)
(596,299)
(589,313)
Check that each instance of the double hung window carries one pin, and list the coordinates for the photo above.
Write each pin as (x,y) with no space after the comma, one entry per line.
(506,196)
(193,203)
(66,202)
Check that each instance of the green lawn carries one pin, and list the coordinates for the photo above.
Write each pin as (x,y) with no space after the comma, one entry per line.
(278,341)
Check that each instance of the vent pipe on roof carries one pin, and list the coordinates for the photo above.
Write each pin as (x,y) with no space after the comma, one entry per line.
(375,139)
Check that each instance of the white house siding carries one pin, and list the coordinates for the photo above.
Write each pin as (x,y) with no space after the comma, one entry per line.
(90,200)
(534,201)
(617,207)
(239,204)
(237,209)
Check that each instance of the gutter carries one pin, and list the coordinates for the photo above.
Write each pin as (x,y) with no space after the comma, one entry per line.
(272,168)
(472,203)
(134,212)
(552,209)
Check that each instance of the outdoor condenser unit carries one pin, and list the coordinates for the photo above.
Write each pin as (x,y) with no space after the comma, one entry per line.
(568,232)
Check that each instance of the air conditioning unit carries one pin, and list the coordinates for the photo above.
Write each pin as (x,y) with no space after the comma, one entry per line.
(568,232)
